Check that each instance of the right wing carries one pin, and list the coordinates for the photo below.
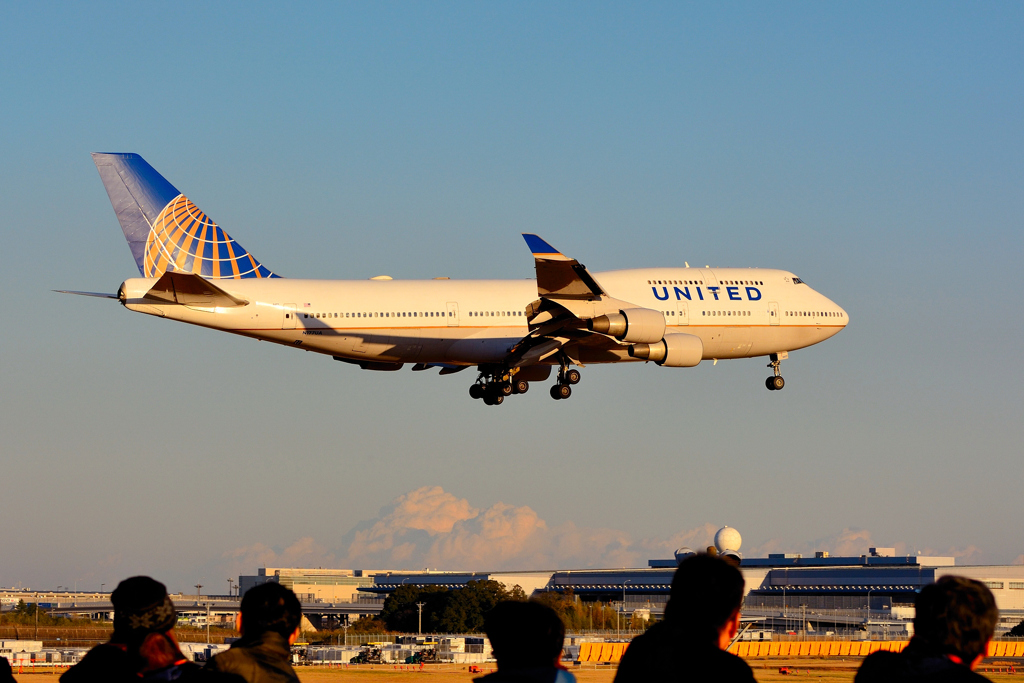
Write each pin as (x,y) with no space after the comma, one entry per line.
(569,297)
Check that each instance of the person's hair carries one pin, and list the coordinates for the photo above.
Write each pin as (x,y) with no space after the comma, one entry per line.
(956,616)
(524,635)
(270,607)
(706,592)
(144,619)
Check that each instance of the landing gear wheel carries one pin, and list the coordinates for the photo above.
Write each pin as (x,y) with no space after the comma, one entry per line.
(476,391)
(573,376)
(561,391)
(770,383)
(776,383)
(497,400)
(504,389)
(488,400)
(520,386)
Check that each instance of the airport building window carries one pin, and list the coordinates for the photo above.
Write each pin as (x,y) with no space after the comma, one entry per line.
(994,584)
(1016,585)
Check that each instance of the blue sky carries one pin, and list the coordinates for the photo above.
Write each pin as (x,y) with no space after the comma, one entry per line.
(875,150)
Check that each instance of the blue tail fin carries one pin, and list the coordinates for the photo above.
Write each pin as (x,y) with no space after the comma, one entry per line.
(164,229)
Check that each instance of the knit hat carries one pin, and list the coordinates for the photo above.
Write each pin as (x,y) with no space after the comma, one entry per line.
(141,606)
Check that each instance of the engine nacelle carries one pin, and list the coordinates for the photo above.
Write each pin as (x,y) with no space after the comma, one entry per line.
(674,351)
(634,325)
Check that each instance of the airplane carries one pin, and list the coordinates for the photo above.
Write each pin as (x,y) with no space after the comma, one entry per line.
(513,331)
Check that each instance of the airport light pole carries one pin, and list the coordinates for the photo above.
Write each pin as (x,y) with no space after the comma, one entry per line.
(199,589)
(419,626)
(868,622)
(624,597)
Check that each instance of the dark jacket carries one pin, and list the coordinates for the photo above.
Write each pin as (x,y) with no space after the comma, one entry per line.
(266,658)
(110,663)
(665,654)
(915,663)
(6,675)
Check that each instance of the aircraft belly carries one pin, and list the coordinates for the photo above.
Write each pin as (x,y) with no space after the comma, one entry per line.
(726,342)
(480,349)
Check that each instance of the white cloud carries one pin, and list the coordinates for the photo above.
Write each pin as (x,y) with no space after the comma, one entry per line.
(430,527)
(304,552)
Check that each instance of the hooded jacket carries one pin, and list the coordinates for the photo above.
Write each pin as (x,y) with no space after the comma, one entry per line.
(266,658)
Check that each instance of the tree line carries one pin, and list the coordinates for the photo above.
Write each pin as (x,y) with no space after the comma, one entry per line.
(462,610)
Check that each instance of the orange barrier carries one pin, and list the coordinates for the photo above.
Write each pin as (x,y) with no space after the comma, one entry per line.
(612,652)
(602,652)
(835,648)
(1006,649)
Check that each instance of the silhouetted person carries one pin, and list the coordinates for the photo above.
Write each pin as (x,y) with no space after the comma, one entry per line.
(954,620)
(527,639)
(6,674)
(701,619)
(142,646)
(269,623)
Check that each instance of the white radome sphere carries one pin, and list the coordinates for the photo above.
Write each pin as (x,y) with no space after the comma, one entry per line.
(728,538)
(683,553)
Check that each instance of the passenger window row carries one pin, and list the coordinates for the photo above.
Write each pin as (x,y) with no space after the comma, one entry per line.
(385,314)
(496,314)
(724,313)
(814,314)
(700,282)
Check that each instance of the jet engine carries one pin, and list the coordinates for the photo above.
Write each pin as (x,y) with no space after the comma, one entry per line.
(634,325)
(674,351)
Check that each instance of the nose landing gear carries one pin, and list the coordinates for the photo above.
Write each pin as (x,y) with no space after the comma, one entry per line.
(775,382)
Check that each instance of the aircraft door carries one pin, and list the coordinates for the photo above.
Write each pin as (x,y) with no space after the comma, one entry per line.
(773,313)
(453,314)
(683,316)
(288,317)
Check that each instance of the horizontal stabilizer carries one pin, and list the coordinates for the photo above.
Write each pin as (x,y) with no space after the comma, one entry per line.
(558,276)
(100,295)
(188,289)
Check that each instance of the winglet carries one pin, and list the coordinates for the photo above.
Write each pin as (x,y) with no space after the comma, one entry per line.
(542,249)
(558,276)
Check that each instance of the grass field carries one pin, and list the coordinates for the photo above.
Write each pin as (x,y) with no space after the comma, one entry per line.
(764,671)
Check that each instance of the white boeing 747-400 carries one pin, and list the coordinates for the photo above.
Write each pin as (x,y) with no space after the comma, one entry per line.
(513,331)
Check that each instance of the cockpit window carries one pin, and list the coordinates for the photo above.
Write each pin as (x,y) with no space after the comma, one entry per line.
(797,281)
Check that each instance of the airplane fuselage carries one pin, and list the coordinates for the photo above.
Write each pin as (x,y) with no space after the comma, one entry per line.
(736,313)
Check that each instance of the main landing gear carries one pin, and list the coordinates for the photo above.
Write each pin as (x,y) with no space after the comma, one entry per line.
(775,382)
(493,387)
(566,377)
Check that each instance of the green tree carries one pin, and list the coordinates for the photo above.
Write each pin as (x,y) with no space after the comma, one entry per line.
(1017,631)
(465,608)
(400,612)
(368,625)
(460,610)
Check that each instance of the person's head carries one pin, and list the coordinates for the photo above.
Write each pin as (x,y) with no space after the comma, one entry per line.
(524,635)
(705,598)
(956,616)
(144,619)
(270,607)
